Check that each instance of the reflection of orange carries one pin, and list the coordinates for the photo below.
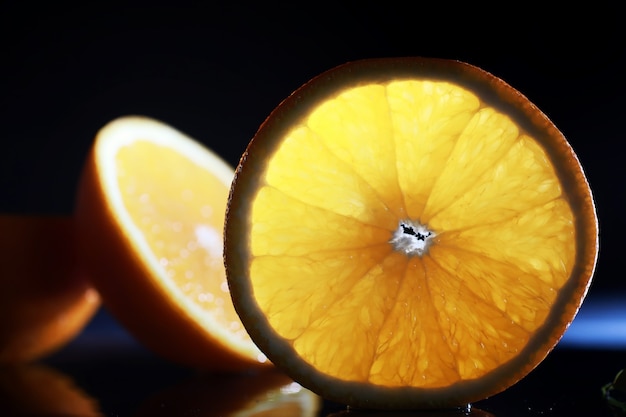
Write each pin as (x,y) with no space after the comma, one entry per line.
(45,301)
(150,214)
(243,395)
(36,390)
(408,233)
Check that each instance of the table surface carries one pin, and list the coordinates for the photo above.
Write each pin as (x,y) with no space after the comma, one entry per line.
(110,367)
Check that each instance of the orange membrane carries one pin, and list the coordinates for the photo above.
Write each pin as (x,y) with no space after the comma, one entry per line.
(429,156)
(181,225)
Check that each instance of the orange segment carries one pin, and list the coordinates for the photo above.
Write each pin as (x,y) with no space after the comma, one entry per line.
(408,233)
(150,215)
(427,119)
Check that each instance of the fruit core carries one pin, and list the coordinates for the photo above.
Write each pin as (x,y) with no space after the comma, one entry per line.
(412,238)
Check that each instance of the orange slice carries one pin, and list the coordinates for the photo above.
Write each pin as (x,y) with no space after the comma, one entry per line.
(45,299)
(150,213)
(408,233)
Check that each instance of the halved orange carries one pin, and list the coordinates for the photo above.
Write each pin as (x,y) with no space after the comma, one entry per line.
(46,300)
(149,218)
(408,233)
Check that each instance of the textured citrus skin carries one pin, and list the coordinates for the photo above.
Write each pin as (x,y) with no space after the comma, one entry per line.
(46,300)
(251,204)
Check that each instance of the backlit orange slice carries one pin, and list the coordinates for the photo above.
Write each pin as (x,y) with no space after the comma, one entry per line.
(408,233)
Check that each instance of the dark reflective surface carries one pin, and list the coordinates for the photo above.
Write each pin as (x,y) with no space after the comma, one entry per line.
(468,411)
(105,372)
(131,382)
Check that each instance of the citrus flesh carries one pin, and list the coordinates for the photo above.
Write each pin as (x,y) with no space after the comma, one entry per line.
(408,233)
(150,215)
(46,300)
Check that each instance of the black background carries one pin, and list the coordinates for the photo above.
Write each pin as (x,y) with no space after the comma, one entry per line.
(215,71)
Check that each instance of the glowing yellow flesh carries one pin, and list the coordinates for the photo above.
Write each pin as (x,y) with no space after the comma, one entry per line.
(327,278)
(178,207)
